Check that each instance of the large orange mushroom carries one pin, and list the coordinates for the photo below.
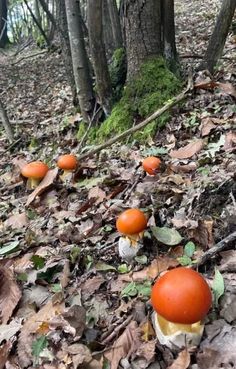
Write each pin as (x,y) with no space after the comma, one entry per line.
(131,224)
(151,165)
(35,172)
(183,297)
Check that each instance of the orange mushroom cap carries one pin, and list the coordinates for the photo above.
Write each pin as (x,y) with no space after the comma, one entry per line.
(67,162)
(181,296)
(151,164)
(131,221)
(35,170)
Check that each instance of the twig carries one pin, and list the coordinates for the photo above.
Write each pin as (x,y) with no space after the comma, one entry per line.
(215,249)
(29,56)
(132,187)
(117,329)
(11,146)
(144,123)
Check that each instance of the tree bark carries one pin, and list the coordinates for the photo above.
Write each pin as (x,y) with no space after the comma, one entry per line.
(3,23)
(80,61)
(103,82)
(6,123)
(142,23)
(219,35)
(115,24)
(168,32)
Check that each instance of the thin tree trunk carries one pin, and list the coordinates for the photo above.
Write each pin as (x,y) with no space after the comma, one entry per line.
(38,25)
(219,35)
(80,61)
(3,23)
(115,24)
(37,13)
(107,30)
(103,81)
(6,123)
(168,23)
(65,44)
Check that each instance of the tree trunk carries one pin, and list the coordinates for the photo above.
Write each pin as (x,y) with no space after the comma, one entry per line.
(107,30)
(6,123)
(219,35)
(103,82)
(37,12)
(168,31)
(142,23)
(65,45)
(3,23)
(80,62)
(115,24)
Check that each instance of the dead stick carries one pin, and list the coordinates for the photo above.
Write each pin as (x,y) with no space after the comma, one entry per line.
(155,115)
(215,249)
(117,329)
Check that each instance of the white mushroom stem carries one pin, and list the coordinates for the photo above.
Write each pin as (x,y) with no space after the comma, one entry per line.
(129,246)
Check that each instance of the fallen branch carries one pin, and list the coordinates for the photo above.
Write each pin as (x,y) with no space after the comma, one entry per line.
(215,250)
(143,124)
(30,56)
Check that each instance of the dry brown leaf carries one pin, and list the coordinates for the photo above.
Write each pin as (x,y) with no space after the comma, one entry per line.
(228,262)
(203,234)
(147,330)
(228,88)
(147,351)
(159,265)
(10,294)
(230,141)
(43,186)
(76,317)
(97,193)
(182,361)
(4,352)
(125,345)
(17,221)
(206,126)
(91,285)
(186,168)
(206,84)
(188,151)
(44,315)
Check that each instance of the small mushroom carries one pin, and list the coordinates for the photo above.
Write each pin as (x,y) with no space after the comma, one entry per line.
(181,299)
(131,223)
(68,163)
(151,165)
(35,172)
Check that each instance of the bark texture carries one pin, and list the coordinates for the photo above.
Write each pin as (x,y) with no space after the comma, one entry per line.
(168,31)
(80,62)
(115,24)
(142,23)
(3,23)
(103,82)
(6,124)
(219,35)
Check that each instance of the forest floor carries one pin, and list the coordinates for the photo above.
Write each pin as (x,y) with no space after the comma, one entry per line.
(67,300)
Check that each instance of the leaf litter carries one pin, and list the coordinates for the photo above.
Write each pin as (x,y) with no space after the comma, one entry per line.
(67,300)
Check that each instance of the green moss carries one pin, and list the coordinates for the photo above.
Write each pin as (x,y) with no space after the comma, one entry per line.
(149,91)
(117,70)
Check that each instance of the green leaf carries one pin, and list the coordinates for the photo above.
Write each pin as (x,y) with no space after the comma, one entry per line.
(8,247)
(130,290)
(91,182)
(38,262)
(142,259)
(23,277)
(56,288)
(38,346)
(168,236)
(123,268)
(103,267)
(75,253)
(144,289)
(218,286)
(189,249)
(184,260)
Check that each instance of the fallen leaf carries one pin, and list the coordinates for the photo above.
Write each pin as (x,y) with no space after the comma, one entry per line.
(147,330)
(17,221)
(228,88)
(76,317)
(91,285)
(206,126)
(167,236)
(43,186)
(125,345)
(7,331)
(97,193)
(45,314)
(203,234)
(4,352)
(206,84)
(65,275)
(230,141)
(182,361)
(185,168)
(188,151)
(228,262)
(161,264)
(10,294)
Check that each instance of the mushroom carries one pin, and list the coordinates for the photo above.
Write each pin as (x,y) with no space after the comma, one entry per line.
(35,172)
(151,165)
(131,223)
(181,299)
(68,163)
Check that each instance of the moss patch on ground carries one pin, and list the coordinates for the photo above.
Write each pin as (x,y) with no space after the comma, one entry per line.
(146,93)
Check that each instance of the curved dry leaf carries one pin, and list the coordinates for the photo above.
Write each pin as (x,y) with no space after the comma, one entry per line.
(125,345)
(10,294)
(43,186)
(4,352)
(17,221)
(182,361)
(188,151)
(31,326)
